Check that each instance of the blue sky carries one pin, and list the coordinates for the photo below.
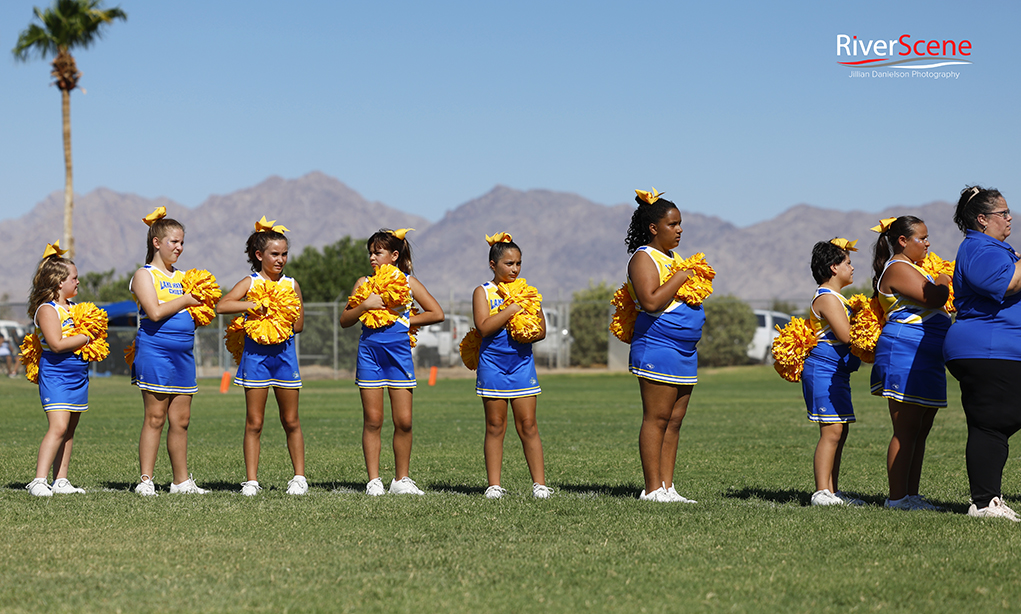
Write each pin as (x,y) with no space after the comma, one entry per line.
(737,109)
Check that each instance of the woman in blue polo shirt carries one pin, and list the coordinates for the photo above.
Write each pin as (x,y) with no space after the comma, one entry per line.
(983,347)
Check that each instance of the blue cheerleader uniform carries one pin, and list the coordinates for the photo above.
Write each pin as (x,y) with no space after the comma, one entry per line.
(909,363)
(263,366)
(663,345)
(506,368)
(826,379)
(63,376)
(164,359)
(384,355)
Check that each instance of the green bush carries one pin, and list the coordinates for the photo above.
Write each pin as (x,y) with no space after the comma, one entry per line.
(590,321)
(729,327)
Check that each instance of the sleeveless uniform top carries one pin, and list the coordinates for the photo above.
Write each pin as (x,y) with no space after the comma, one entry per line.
(501,341)
(829,347)
(167,289)
(903,310)
(403,322)
(66,322)
(679,314)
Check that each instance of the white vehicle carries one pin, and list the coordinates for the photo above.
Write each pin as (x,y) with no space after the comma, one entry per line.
(439,344)
(553,351)
(765,332)
(13,333)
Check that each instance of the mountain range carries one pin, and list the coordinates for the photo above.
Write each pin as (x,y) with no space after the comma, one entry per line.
(567,241)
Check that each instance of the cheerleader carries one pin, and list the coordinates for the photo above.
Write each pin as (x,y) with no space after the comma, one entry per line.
(164,365)
(663,354)
(909,369)
(384,360)
(268,366)
(826,380)
(63,375)
(506,370)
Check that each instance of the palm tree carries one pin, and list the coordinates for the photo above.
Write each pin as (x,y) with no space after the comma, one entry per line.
(66,25)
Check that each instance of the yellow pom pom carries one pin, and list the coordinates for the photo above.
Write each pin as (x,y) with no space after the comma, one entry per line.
(623,323)
(129,354)
(282,308)
(791,348)
(866,326)
(934,265)
(234,338)
(90,321)
(699,284)
(392,286)
(202,284)
(413,330)
(469,349)
(31,350)
(525,325)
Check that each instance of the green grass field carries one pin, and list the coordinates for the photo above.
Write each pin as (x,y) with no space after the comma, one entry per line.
(751,544)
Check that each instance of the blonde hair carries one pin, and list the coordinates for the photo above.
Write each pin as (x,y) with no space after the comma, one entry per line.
(52,272)
(159,229)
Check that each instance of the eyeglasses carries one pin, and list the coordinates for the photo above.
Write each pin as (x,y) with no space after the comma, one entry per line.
(1004,214)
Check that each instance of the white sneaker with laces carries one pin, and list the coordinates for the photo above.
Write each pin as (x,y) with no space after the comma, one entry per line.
(405,486)
(375,488)
(825,497)
(63,487)
(541,491)
(250,488)
(677,497)
(495,492)
(848,499)
(187,487)
(297,486)
(921,503)
(146,487)
(660,495)
(996,509)
(39,488)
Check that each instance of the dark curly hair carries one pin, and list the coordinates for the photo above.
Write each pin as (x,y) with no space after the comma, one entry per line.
(645,215)
(975,201)
(257,242)
(824,256)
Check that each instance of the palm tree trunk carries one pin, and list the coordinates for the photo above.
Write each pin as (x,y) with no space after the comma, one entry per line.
(68,242)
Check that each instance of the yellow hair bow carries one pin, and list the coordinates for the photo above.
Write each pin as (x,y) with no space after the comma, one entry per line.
(884,225)
(400,232)
(264,225)
(158,214)
(500,237)
(649,197)
(844,244)
(53,249)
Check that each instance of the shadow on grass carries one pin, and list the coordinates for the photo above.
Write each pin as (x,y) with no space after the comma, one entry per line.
(603,490)
(804,498)
(460,489)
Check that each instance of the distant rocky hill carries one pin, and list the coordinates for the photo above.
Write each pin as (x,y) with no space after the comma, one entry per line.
(567,240)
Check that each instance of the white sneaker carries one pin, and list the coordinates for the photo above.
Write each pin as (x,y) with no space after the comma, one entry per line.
(660,495)
(297,486)
(677,497)
(405,486)
(921,503)
(541,491)
(39,488)
(495,492)
(850,500)
(187,487)
(375,488)
(252,488)
(825,497)
(907,503)
(996,509)
(146,488)
(63,487)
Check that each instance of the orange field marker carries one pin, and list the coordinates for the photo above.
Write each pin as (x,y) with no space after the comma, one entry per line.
(433,370)
(225,382)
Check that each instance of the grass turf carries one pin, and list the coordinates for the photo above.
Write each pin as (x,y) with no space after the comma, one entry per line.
(751,544)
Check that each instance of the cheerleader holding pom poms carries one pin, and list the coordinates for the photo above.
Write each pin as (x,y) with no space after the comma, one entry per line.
(273,307)
(164,364)
(667,292)
(508,317)
(383,304)
(826,379)
(52,359)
